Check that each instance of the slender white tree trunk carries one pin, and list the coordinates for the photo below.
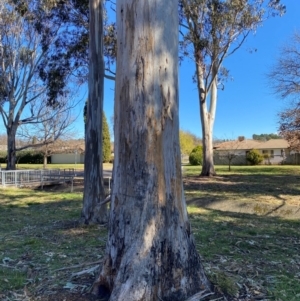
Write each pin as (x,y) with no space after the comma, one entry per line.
(207,117)
(45,160)
(93,194)
(150,252)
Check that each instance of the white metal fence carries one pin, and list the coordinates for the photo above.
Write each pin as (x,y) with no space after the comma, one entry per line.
(28,177)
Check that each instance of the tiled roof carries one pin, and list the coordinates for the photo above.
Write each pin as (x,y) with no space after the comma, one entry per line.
(248,144)
(276,143)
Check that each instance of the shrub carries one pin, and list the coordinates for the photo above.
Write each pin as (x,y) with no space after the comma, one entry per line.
(3,156)
(29,157)
(254,157)
(196,156)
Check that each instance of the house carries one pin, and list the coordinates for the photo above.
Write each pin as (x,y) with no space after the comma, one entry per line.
(73,156)
(275,151)
(68,152)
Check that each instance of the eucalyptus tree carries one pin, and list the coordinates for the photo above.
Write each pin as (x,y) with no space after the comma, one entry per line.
(84,44)
(54,123)
(150,253)
(93,211)
(35,65)
(215,29)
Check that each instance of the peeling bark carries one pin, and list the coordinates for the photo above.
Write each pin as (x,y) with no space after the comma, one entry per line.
(150,252)
(92,211)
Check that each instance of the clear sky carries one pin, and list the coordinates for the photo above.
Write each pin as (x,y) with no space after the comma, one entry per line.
(246,106)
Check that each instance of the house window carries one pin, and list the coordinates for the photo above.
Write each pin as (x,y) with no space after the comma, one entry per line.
(265,154)
(268,154)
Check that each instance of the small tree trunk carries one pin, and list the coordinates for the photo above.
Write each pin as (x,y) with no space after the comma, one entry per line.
(207,122)
(45,161)
(208,168)
(11,147)
(93,194)
(150,252)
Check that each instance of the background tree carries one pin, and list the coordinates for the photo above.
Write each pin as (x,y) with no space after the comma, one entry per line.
(290,126)
(233,152)
(106,145)
(187,142)
(35,64)
(150,253)
(106,149)
(284,79)
(92,211)
(55,123)
(265,137)
(216,29)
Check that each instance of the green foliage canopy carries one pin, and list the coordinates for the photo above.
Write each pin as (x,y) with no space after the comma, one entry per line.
(106,149)
(188,142)
(105,140)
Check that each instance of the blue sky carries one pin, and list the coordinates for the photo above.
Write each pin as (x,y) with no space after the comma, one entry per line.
(246,106)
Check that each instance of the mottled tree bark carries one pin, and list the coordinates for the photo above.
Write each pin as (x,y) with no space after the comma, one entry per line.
(11,147)
(93,194)
(150,252)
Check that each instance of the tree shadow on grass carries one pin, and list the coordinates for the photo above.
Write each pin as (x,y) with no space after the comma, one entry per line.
(258,194)
(38,237)
(252,251)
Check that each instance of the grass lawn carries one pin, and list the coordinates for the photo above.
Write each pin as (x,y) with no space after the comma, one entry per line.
(246,226)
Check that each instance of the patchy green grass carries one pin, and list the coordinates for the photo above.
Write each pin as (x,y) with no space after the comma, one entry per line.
(40,233)
(247,170)
(245,222)
(258,256)
(261,190)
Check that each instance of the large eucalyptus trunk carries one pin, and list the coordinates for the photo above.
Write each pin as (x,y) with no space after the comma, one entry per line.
(150,252)
(11,147)
(93,193)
